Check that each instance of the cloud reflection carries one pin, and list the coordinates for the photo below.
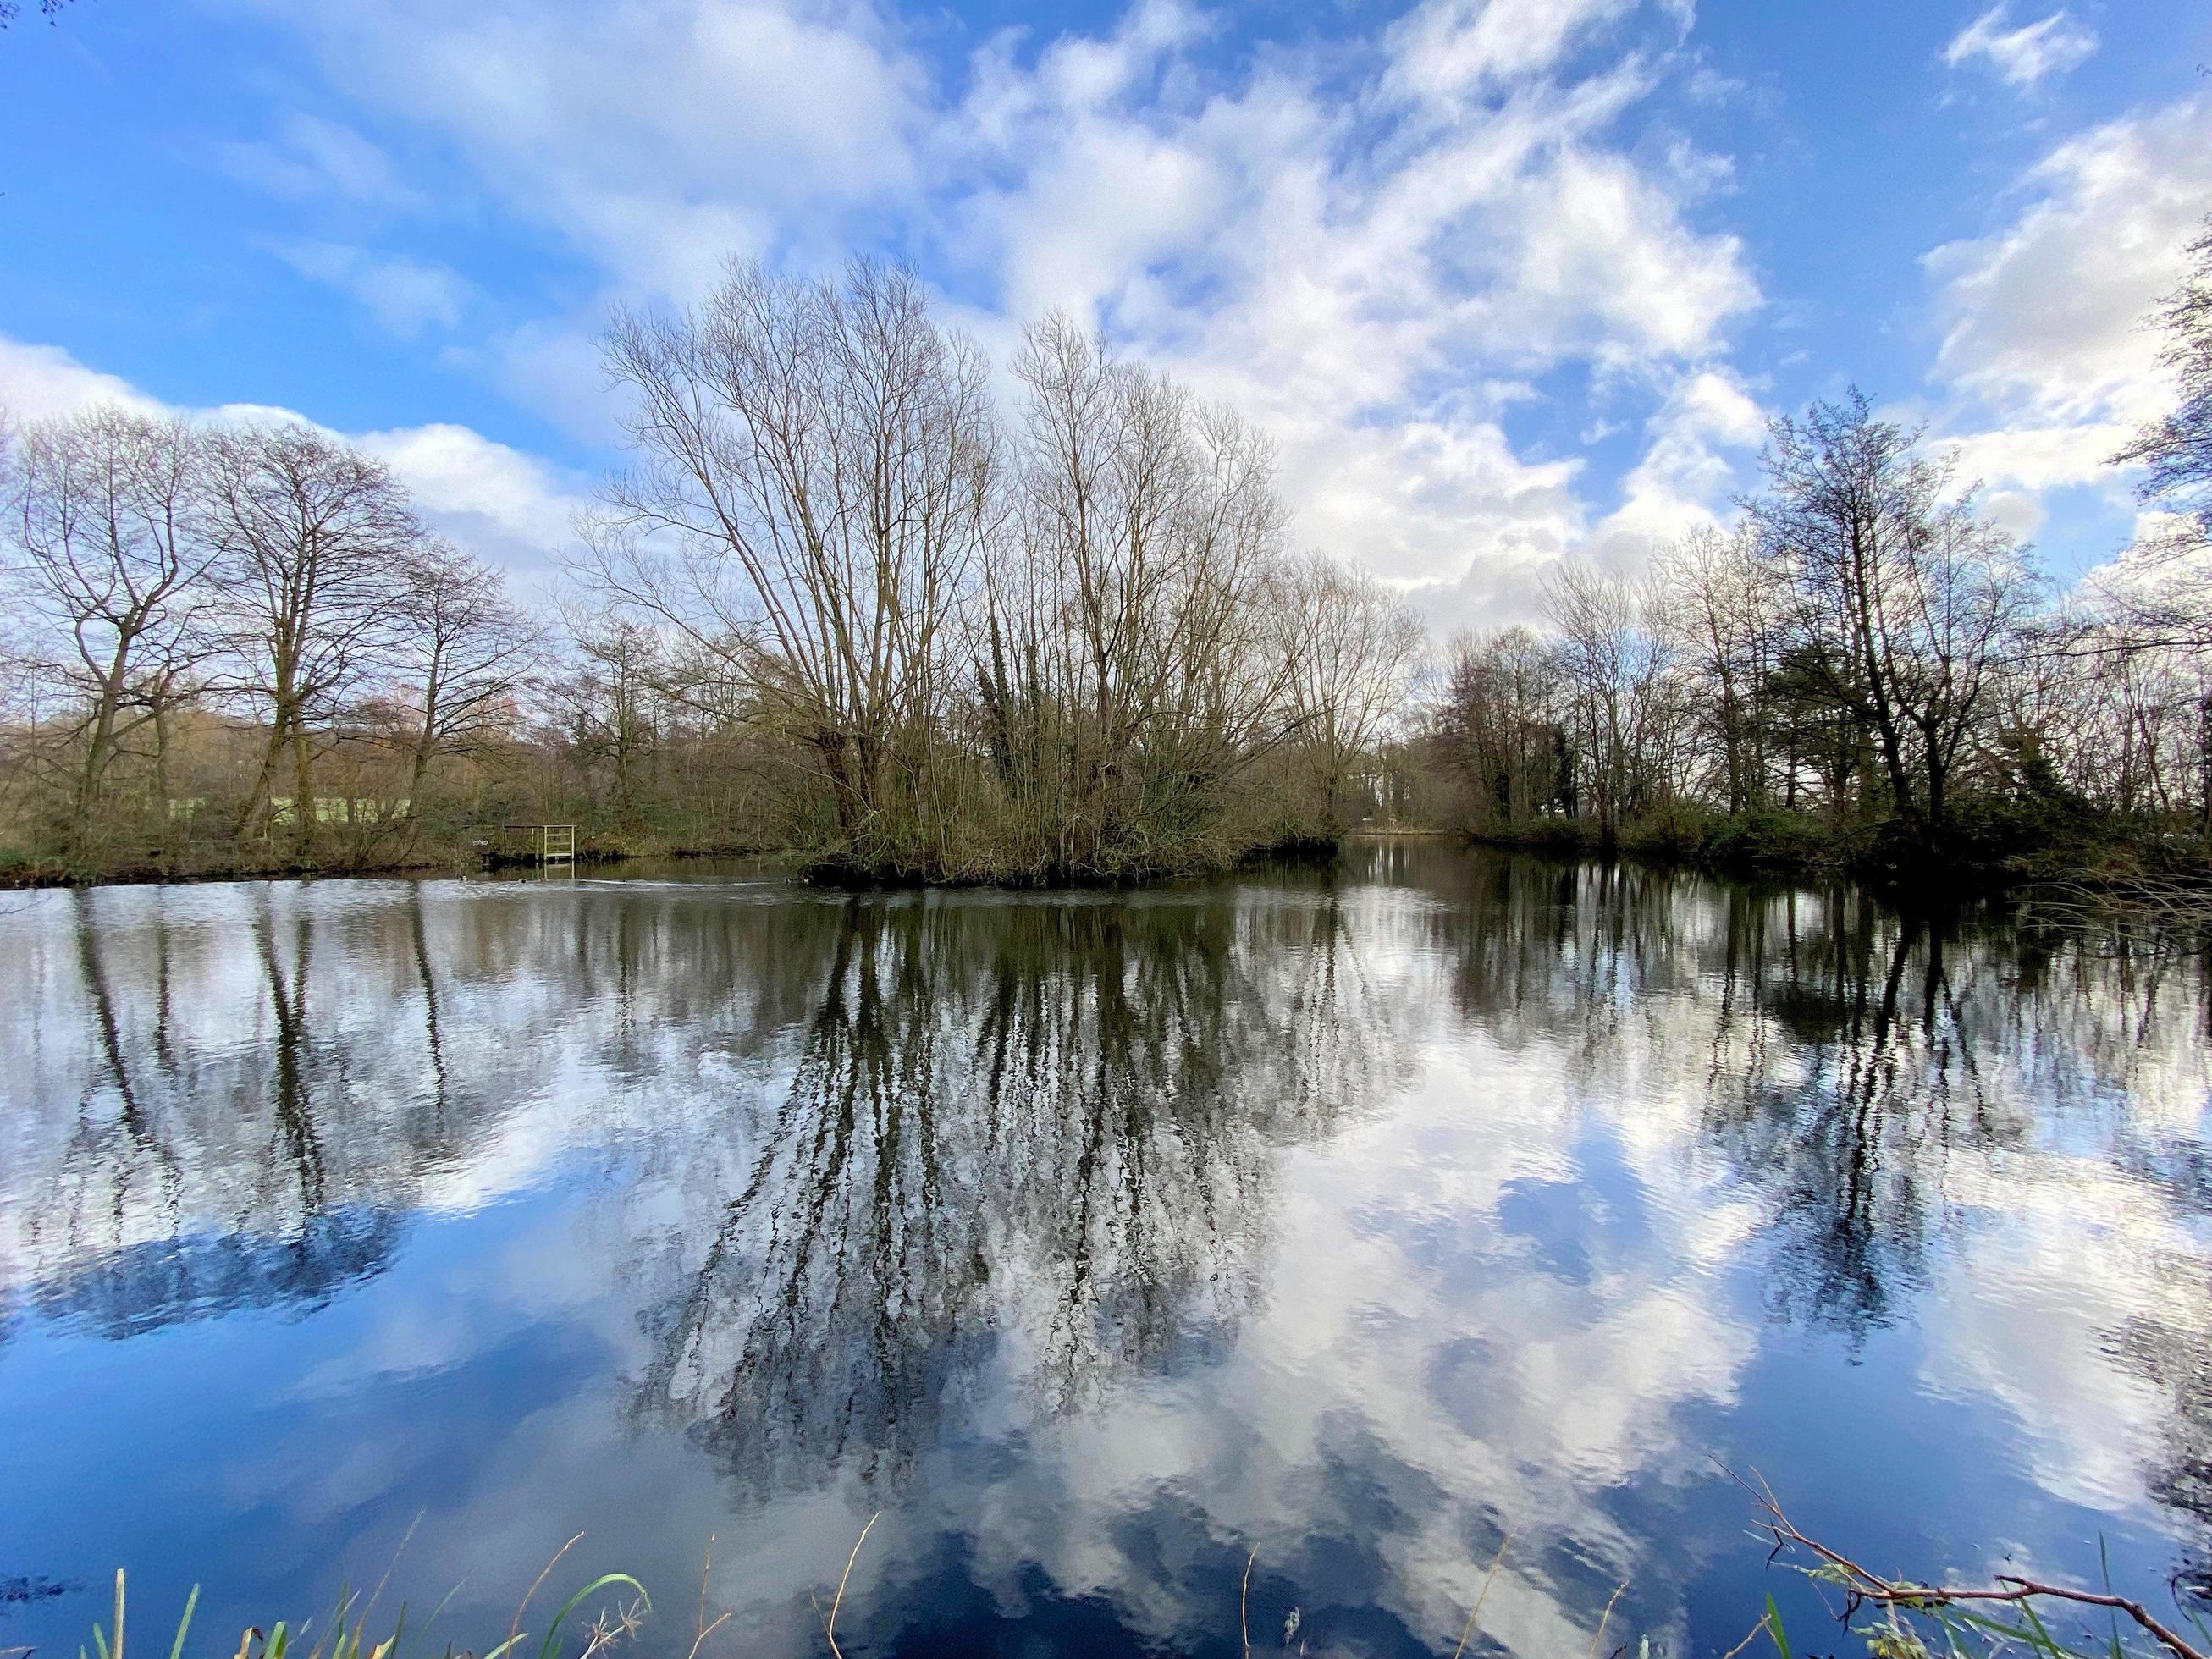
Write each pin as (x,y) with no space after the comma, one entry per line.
(1362,1216)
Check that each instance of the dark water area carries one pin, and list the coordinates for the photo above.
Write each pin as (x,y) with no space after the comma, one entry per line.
(1353,1215)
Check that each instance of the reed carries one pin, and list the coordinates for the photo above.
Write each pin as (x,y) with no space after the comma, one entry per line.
(350,1629)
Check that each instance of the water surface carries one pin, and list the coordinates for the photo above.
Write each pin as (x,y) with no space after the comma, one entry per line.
(1356,1216)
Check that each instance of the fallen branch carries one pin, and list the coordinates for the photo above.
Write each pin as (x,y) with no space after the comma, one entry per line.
(1864,1586)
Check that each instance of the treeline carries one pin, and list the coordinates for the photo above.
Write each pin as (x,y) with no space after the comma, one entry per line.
(1867,667)
(851,598)
(838,604)
(210,626)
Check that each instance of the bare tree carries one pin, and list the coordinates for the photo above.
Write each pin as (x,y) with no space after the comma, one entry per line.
(2175,451)
(1902,603)
(1714,606)
(312,535)
(1616,664)
(2159,597)
(610,703)
(1353,646)
(1128,674)
(465,649)
(104,510)
(814,463)
(1501,726)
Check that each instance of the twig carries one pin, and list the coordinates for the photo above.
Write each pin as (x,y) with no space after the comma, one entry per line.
(1606,1618)
(1469,1629)
(1750,1636)
(1863,1585)
(1244,1599)
(707,1632)
(706,1629)
(514,1628)
(838,1600)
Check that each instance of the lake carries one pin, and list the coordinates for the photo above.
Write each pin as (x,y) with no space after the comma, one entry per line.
(1343,1219)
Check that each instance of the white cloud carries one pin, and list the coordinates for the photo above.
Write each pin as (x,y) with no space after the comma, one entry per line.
(1603,250)
(552,366)
(312,159)
(1689,467)
(406,296)
(508,506)
(1372,314)
(2039,457)
(659,138)
(505,505)
(2024,55)
(1369,248)
(44,382)
(1358,252)
(1426,497)
(1446,50)
(2015,466)
(2045,347)
(2048,313)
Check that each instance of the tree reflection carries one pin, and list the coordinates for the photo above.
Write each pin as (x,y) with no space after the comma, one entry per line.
(1881,1084)
(2172,1354)
(1042,1133)
(298,1148)
(1849,1124)
(197,1178)
(142,1140)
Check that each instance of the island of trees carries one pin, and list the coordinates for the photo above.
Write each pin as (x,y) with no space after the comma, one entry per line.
(849,601)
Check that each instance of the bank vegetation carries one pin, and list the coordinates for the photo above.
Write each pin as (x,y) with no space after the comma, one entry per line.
(1868,669)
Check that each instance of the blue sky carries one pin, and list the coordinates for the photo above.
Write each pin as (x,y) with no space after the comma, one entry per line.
(1510,281)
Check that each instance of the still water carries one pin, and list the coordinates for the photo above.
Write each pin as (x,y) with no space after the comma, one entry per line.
(1347,1218)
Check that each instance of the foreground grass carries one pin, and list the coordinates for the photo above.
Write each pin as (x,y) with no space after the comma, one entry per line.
(351,1630)
(1894,1618)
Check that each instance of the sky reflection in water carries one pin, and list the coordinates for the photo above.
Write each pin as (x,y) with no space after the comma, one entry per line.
(1360,1215)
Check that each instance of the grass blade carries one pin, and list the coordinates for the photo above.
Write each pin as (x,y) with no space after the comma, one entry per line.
(552,1645)
(177,1647)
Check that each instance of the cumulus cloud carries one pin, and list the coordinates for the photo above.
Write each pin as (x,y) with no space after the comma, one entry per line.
(2048,311)
(2044,350)
(1374,314)
(659,138)
(1371,247)
(2021,55)
(501,503)
(1363,253)
(2039,457)
(1442,51)
(1693,450)
(1603,248)
(510,507)
(552,366)
(44,382)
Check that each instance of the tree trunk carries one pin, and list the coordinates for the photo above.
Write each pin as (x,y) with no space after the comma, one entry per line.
(2204,762)
(305,818)
(98,746)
